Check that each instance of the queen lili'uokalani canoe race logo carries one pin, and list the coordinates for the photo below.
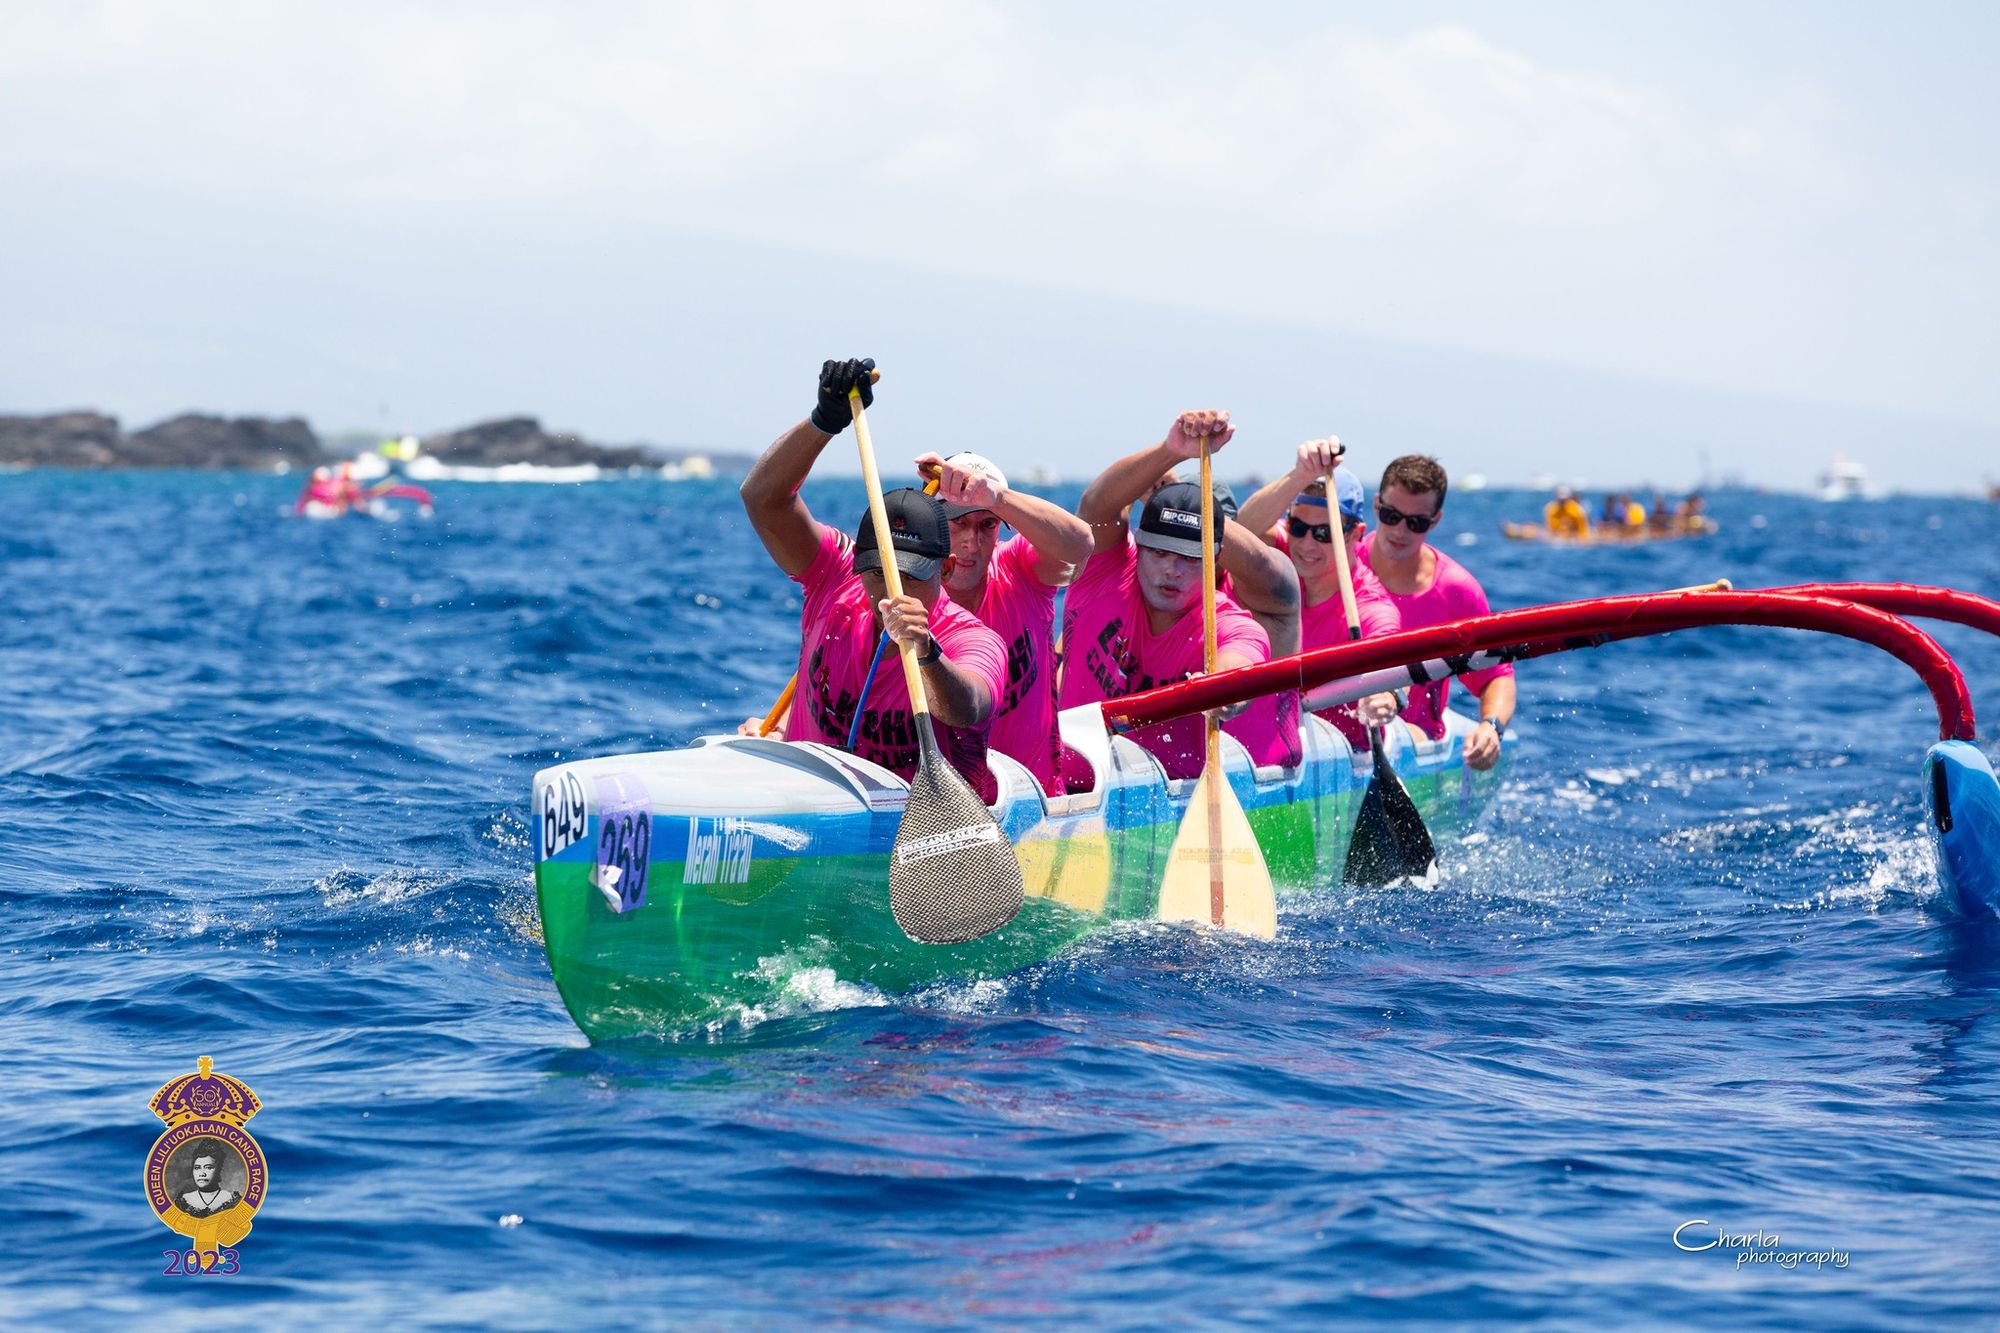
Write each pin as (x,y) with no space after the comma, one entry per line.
(206,1176)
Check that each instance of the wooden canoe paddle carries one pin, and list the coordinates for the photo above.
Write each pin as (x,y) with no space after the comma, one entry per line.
(953,875)
(1215,870)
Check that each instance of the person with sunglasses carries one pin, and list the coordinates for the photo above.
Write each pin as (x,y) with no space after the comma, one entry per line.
(1430,588)
(1133,619)
(1292,514)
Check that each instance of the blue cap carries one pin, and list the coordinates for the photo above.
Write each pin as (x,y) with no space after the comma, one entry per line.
(1347,493)
(1347,488)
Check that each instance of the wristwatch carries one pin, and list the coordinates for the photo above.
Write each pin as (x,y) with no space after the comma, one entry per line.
(930,655)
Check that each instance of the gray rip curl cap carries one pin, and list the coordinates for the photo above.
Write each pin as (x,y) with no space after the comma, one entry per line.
(1171,521)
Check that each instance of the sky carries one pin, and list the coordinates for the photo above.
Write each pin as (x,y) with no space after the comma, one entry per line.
(1600,242)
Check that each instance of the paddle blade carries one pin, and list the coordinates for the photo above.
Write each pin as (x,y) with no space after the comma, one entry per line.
(1215,870)
(1390,842)
(953,875)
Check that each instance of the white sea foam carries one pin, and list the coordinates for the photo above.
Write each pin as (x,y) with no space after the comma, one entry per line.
(423,946)
(964,997)
(798,984)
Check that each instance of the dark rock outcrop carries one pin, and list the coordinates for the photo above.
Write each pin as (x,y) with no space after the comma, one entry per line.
(522,440)
(94,441)
(248,444)
(66,439)
(261,444)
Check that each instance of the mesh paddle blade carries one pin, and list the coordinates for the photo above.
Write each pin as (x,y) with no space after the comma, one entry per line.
(953,875)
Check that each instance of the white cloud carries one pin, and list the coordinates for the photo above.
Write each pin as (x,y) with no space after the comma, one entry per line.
(1435,184)
(1351,133)
(656,105)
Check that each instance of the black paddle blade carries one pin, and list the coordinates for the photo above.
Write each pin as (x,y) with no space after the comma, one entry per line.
(1390,843)
(953,875)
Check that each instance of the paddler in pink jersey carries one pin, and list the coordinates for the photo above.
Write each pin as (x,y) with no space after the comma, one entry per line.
(1292,514)
(847,608)
(1430,588)
(1132,619)
(323,494)
(1011,586)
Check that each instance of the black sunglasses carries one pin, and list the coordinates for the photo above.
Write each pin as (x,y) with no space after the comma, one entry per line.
(1419,523)
(1321,532)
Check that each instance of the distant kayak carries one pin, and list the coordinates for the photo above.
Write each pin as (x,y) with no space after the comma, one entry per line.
(1608,536)
(328,495)
(376,507)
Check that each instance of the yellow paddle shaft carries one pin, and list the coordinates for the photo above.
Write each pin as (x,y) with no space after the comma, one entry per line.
(913,675)
(770,721)
(1339,529)
(791,689)
(1211,729)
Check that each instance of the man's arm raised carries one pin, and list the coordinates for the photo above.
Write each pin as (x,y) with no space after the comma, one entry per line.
(1106,499)
(1261,512)
(770,492)
(1060,539)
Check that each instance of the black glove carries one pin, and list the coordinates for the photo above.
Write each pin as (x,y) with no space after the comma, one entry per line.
(833,412)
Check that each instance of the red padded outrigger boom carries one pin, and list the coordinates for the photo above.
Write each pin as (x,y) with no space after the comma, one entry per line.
(1822,607)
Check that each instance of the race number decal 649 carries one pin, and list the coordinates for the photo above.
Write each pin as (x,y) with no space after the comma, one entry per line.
(564,815)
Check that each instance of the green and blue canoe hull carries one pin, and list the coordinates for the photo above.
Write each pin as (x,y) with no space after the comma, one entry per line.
(685,889)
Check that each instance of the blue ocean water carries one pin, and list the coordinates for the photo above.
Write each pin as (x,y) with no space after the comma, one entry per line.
(266,789)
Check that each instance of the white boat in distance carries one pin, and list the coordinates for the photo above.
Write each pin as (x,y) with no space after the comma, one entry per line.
(1845,479)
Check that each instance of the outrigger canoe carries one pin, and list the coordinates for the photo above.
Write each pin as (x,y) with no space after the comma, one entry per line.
(1606,535)
(687,888)
(690,887)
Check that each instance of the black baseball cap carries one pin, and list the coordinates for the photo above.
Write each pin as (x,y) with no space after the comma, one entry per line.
(918,529)
(1171,521)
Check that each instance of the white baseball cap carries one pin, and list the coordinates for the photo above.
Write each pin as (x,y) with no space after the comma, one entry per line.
(972,462)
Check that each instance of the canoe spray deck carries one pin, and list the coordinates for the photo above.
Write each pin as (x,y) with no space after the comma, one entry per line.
(689,887)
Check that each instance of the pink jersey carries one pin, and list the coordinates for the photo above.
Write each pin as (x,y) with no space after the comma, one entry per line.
(836,640)
(1110,651)
(1324,624)
(1021,609)
(328,491)
(1453,595)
